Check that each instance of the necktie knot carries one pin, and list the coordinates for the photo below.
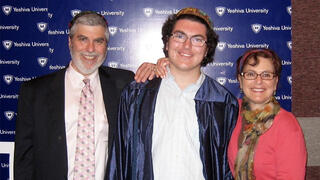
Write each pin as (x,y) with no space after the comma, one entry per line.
(86,81)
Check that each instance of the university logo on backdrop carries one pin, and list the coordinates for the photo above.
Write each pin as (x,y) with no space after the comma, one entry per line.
(221,80)
(42,26)
(113,30)
(148,11)
(74,12)
(6,9)
(42,61)
(289,44)
(113,64)
(7,44)
(289,79)
(221,46)
(289,10)
(9,115)
(220,10)
(8,79)
(256,28)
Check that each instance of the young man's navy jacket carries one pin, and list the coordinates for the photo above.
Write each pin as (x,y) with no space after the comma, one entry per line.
(130,156)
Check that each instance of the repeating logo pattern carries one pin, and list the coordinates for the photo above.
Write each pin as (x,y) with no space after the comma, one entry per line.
(7,44)
(9,115)
(113,30)
(113,64)
(221,46)
(289,79)
(42,61)
(74,12)
(289,44)
(6,9)
(256,28)
(289,10)
(220,10)
(148,11)
(221,80)
(8,79)
(42,26)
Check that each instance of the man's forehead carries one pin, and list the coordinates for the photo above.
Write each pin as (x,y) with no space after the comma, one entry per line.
(189,27)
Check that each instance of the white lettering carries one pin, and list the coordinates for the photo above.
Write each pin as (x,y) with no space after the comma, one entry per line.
(112,13)
(56,67)
(248,45)
(5,96)
(21,9)
(271,28)
(39,44)
(234,11)
(15,62)
(37,9)
(55,32)
(228,29)
(11,27)
(236,46)
(7,132)
(163,12)
(285,28)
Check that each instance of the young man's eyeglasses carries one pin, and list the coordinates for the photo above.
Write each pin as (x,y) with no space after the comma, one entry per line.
(251,75)
(181,37)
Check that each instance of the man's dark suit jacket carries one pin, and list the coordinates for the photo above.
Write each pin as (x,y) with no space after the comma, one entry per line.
(40,144)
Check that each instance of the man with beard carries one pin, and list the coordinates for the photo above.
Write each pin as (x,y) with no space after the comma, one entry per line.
(55,110)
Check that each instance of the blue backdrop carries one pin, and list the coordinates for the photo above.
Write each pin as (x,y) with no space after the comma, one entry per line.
(34,42)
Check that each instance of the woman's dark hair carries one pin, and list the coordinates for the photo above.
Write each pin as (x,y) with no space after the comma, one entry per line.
(212,37)
(254,54)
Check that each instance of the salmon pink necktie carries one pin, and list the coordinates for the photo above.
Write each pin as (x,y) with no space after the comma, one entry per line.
(84,164)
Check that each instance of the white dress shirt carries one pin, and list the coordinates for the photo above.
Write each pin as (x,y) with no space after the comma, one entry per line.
(73,87)
(175,139)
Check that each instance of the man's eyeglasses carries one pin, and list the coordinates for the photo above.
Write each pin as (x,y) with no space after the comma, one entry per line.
(195,40)
(251,75)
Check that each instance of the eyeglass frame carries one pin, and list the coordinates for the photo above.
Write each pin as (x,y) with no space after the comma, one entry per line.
(258,74)
(187,37)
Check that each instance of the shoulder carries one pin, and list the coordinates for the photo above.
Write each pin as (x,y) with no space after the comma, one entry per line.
(287,121)
(211,90)
(115,72)
(154,84)
(45,80)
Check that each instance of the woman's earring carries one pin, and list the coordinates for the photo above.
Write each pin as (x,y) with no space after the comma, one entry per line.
(241,91)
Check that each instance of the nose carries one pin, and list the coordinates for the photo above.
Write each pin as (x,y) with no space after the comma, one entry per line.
(259,79)
(187,44)
(90,47)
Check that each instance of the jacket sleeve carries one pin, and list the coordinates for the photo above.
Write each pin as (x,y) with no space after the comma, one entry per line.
(117,154)
(24,149)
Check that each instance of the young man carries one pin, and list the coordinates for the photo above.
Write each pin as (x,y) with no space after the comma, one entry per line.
(53,110)
(179,127)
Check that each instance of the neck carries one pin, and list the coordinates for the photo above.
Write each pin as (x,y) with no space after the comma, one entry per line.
(185,78)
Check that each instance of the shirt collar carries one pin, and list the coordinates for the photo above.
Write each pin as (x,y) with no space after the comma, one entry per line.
(192,87)
(77,78)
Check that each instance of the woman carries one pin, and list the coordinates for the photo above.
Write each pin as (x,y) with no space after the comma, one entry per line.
(267,142)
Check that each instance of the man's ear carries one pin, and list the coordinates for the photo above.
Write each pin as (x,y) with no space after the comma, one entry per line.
(69,42)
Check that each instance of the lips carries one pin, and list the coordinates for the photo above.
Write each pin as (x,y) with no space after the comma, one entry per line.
(185,54)
(258,89)
(90,56)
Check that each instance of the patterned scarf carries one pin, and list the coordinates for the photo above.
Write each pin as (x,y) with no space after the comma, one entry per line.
(254,124)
